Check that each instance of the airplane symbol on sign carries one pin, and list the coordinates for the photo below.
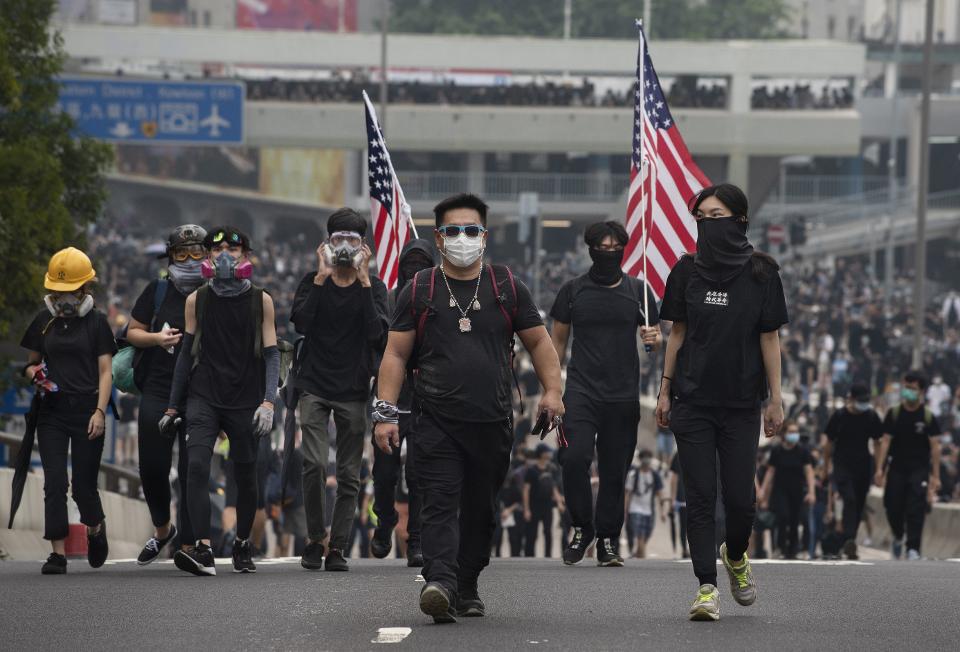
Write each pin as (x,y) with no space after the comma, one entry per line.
(214,122)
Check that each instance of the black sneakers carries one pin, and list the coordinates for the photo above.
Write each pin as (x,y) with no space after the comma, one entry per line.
(154,545)
(850,549)
(414,557)
(55,565)
(381,542)
(469,604)
(336,561)
(97,547)
(312,557)
(435,601)
(198,561)
(243,557)
(607,554)
(574,552)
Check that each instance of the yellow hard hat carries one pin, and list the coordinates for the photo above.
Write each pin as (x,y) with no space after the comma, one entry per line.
(69,269)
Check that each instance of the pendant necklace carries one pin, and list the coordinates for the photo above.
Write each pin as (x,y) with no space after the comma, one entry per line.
(465,324)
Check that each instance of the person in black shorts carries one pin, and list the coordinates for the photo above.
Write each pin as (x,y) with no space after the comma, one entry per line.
(416,255)
(908,463)
(605,310)
(70,348)
(228,367)
(846,457)
(726,303)
(457,322)
(156,329)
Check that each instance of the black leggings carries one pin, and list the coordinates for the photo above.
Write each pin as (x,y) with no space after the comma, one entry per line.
(704,435)
(198,493)
(788,507)
(156,456)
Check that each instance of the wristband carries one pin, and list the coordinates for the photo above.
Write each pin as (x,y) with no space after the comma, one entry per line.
(385,412)
(23,371)
(97,409)
(663,378)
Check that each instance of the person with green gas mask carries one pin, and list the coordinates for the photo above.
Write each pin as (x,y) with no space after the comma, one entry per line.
(910,453)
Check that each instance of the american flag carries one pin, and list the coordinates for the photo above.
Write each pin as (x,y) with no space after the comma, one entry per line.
(663,177)
(389,210)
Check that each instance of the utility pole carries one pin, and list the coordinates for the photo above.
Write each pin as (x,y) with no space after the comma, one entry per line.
(384,88)
(919,287)
(567,18)
(892,163)
(646,18)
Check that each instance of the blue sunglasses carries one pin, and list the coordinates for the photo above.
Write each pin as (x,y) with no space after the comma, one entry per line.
(453,230)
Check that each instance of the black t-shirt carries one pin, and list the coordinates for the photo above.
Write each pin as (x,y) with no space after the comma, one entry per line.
(604,362)
(849,432)
(910,434)
(719,363)
(157,363)
(70,348)
(465,376)
(542,483)
(789,463)
(344,329)
(229,373)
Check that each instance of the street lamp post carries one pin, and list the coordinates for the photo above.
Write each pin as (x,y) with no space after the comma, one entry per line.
(920,275)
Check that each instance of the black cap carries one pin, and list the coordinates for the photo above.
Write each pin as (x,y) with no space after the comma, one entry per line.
(227,233)
(184,236)
(860,393)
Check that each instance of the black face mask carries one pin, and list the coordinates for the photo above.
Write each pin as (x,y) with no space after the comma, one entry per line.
(722,248)
(606,266)
(409,266)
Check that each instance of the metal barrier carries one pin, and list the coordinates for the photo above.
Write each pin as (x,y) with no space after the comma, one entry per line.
(118,479)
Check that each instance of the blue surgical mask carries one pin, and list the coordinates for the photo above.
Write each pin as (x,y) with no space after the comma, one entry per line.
(792,437)
(909,395)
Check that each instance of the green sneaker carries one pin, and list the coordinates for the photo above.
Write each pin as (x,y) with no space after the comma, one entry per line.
(707,604)
(742,585)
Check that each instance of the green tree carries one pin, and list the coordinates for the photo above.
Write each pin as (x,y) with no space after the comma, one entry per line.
(51,182)
(675,19)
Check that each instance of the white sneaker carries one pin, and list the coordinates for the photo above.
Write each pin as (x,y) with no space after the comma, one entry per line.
(913,555)
(706,606)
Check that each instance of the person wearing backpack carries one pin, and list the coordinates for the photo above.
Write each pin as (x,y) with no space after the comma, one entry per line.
(70,348)
(341,310)
(156,330)
(908,465)
(644,491)
(416,255)
(604,309)
(227,369)
(454,325)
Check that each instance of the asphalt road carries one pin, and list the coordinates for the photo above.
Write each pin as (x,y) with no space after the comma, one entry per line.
(531,604)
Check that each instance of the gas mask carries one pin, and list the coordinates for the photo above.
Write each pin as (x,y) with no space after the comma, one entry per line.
(462,250)
(226,267)
(68,304)
(345,249)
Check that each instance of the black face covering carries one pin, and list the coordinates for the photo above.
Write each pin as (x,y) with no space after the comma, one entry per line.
(606,266)
(722,248)
(410,265)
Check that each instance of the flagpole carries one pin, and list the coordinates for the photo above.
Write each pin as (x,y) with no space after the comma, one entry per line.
(645,160)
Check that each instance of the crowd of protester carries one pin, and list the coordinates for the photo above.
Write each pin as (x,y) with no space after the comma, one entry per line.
(800,96)
(842,331)
(348,88)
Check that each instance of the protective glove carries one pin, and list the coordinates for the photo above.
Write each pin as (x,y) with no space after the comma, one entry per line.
(262,421)
(169,424)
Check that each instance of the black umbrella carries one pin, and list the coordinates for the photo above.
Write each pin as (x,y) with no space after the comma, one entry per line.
(290,398)
(22,464)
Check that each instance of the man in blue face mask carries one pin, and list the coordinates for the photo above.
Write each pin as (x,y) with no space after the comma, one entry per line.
(910,451)
(846,454)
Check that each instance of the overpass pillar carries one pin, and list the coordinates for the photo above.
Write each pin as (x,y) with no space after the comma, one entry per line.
(738,169)
(476,170)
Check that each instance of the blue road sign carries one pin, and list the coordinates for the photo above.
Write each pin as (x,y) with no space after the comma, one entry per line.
(16,400)
(133,111)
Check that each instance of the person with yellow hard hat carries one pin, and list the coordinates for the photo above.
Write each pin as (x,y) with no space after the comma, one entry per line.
(70,348)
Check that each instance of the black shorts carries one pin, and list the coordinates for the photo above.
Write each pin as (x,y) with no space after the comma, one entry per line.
(205,423)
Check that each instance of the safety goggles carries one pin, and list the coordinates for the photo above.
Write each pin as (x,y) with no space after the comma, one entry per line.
(351,238)
(453,230)
(181,254)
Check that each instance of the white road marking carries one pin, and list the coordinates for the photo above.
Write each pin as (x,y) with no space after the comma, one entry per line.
(798,562)
(419,579)
(391,634)
(956,560)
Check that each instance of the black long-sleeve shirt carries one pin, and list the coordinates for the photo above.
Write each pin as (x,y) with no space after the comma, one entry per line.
(345,330)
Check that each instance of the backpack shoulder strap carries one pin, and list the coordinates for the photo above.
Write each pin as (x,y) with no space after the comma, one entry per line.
(501,297)
(199,308)
(159,294)
(576,287)
(421,316)
(896,411)
(257,309)
(927,415)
